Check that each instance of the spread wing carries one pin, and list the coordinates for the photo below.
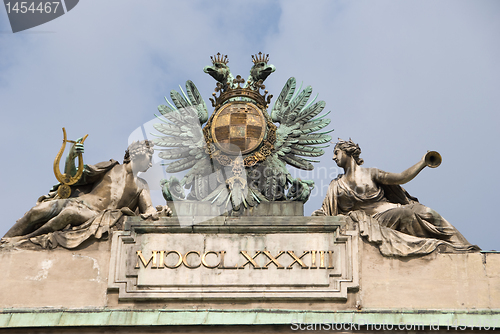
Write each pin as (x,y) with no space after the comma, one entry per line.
(297,138)
(182,137)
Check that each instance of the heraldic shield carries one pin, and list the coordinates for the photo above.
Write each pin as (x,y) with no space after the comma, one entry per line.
(238,127)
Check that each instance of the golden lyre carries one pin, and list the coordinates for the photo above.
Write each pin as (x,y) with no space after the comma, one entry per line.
(64,190)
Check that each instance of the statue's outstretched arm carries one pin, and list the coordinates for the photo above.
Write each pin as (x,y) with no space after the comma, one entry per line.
(145,203)
(399,178)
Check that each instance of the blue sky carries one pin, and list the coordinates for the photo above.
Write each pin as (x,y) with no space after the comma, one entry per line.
(400,78)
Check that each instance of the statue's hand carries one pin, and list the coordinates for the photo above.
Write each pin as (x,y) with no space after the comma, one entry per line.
(152,215)
(164,210)
(76,149)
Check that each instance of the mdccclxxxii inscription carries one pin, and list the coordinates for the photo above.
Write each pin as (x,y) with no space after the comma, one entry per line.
(312,259)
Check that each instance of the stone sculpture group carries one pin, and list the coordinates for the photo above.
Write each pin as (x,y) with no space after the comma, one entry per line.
(235,159)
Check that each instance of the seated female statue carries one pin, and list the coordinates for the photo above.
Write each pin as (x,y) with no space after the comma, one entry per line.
(377,194)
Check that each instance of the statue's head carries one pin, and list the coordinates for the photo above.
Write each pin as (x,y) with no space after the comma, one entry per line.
(137,148)
(351,149)
(219,69)
(260,69)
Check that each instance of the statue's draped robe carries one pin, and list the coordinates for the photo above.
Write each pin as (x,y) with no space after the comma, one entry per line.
(408,229)
(96,227)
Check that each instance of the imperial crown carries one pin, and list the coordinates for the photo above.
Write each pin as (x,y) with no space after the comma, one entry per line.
(219,59)
(251,91)
(259,58)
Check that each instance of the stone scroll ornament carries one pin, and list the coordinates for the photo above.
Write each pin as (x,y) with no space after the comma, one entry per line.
(237,157)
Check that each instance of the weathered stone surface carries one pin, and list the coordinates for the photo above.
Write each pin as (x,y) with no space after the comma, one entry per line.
(35,278)
(56,278)
(306,259)
(434,281)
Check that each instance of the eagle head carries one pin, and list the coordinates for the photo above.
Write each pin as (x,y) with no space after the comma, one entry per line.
(219,71)
(261,70)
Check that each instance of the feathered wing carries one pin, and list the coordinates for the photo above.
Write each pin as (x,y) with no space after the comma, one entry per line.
(182,137)
(197,101)
(297,138)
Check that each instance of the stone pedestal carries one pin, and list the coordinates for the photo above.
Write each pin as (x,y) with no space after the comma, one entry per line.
(203,210)
(259,273)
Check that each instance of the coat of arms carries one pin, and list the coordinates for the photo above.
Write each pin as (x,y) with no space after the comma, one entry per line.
(237,156)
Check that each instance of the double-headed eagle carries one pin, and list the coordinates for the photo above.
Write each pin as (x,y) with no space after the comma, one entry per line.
(237,157)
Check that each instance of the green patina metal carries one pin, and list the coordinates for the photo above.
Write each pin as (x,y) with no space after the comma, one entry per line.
(236,156)
(12,318)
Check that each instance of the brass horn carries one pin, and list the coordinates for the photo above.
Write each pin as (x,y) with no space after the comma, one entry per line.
(433,159)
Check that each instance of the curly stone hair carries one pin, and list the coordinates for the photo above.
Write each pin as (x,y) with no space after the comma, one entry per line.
(138,147)
(351,149)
